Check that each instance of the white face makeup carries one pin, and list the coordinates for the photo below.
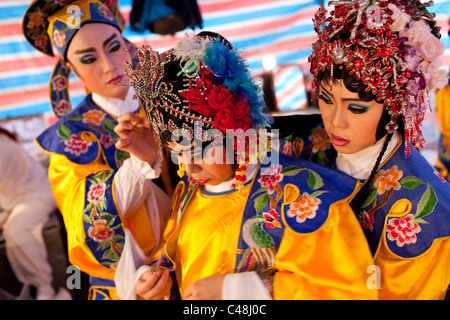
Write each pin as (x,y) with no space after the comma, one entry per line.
(97,57)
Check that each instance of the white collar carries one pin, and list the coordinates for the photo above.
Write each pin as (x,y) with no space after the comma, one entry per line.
(360,164)
(227,185)
(117,107)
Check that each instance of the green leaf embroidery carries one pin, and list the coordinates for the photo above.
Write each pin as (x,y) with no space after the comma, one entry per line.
(76,118)
(261,201)
(109,125)
(86,217)
(291,171)
(64,132)
(314,180)
(426,204)
(317,193)
(263,189)
(370,198)
(410,182)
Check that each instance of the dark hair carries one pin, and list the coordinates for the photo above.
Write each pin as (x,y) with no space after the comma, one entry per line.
(356,86)
(174,76)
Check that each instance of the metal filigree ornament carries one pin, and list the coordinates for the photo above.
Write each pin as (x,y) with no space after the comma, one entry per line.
(147,80)
(374,41)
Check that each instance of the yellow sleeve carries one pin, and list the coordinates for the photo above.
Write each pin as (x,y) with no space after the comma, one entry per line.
(68,180)
(329,263)
(425,277)
(443,112)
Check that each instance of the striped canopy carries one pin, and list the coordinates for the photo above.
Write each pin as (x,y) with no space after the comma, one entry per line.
(281,28)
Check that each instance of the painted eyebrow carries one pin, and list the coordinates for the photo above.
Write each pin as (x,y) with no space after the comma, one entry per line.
(105,43)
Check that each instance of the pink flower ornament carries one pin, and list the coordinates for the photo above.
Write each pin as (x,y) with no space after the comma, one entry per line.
(430,47)
(415,31)
(400,18)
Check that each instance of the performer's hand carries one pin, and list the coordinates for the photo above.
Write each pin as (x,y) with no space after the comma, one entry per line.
(209,288)
(154,286)
(136,137)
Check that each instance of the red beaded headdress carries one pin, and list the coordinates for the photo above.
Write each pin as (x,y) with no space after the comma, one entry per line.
(390,47)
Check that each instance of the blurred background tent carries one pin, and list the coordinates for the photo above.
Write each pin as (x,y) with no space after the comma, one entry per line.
(275,34)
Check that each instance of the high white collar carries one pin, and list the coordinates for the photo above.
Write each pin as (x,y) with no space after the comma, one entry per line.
(227,185)
(360,164)
(117,107)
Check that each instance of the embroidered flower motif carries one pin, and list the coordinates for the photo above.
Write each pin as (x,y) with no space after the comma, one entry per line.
(319,140)
(94,116)
(96,193)
(403,230)
(76,145)
(271,218)
(387,180)
(107,140)
(35,20)
(59,83)
(105,13)
(41,42)
(368,220)
(62,108)
(99,231)
(304,208)
(271,177)
(287,149)
(59,37)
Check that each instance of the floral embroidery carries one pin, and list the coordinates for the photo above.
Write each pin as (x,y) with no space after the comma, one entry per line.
(59,38)
(403,230)
(271,178)
(260,253)
(96,194)
(62,108)
(35,20)
(304,207)
(100,126)
(76,145)
(387,180)
(99,231)
(287,149)
(102,224)
(41,42)
(107,140)
(59,82)
(94,116)
(320,140)
(271,218)
(104,12)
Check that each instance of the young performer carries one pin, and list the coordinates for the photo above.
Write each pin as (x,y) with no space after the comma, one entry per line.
(101,201)
(373,65)
(247,222)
